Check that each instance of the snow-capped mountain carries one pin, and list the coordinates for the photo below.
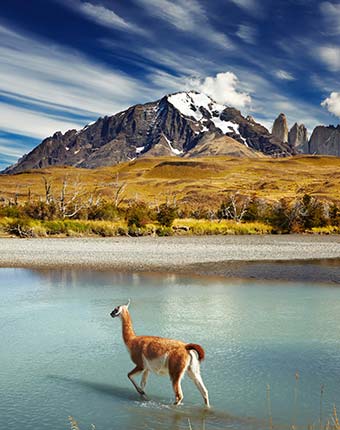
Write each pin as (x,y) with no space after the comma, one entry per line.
(181,124)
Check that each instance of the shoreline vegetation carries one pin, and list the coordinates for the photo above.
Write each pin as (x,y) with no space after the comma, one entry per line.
(163,197)
(237,215)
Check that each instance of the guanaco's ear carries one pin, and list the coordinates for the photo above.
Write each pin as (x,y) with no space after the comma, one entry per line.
(128,304)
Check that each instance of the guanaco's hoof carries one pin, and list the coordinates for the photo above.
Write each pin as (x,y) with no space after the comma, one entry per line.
(143,395)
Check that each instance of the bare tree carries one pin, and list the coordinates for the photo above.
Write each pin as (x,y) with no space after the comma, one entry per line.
(119,188)
(73,201)
(235,207)
(47,188)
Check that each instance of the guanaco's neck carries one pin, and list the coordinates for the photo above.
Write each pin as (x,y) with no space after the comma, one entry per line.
(127,328)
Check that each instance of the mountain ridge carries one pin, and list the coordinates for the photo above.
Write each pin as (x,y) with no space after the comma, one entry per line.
(173,125)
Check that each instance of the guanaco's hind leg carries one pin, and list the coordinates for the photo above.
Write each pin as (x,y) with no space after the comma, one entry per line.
(176,385)
(178,364)
(194,373)
(136,371)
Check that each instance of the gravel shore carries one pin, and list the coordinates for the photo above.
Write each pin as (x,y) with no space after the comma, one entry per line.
(291,257)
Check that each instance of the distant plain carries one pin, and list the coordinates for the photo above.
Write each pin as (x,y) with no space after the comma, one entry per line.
(195,182)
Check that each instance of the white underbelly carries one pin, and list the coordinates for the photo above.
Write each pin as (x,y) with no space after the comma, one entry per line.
(158,365)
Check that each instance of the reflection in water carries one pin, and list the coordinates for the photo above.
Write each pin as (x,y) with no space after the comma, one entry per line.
(167,416)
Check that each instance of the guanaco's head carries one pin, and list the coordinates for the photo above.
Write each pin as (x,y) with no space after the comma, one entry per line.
(117,311)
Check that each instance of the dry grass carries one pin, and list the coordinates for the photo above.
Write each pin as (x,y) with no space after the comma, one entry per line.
(207,227)
(84,228)
(203,182)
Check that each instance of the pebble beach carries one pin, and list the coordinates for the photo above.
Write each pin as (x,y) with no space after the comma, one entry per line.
(289,257)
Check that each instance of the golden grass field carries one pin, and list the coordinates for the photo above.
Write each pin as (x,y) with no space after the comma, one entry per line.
(202,182)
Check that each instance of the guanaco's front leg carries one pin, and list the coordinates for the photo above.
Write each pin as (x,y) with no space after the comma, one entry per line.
(136,371)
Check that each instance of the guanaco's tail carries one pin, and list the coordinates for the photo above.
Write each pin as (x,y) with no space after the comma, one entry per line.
(197,348)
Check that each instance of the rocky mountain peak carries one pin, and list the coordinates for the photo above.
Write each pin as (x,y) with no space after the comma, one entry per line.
(280,128)
(298,137)
(325,140)
(171,126)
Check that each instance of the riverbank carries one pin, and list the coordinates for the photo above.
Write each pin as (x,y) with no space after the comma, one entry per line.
(289,257)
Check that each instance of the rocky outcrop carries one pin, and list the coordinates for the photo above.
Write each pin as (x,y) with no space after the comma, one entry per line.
(256,135)
(280,128)
(173,125)
(325,140)
(298,138)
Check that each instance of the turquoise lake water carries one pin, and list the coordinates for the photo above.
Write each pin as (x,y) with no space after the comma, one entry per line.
(62,354)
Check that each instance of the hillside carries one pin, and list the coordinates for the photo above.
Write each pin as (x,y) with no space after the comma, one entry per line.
(200,182)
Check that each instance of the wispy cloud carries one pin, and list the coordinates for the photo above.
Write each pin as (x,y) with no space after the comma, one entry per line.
(251,6)
(188,16)
(247,33)
(53,84)
(330,56)
(30,123)
(331,15)
(106,17)
(284,75)
(8,150)
(13,146)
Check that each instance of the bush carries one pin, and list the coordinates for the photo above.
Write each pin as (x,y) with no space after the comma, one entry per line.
(312,212)
(137,215)
(166,215)
(55,227)
(11,211)
(164,231)
(106,212)
(41,210)
(281,217)
(334,214)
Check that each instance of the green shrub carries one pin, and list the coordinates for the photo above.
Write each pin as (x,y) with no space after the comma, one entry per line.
(137,215)
(311,212)
(166,215)
(11,211)
(164,231)
(55,227)
(105,212)
(41,210)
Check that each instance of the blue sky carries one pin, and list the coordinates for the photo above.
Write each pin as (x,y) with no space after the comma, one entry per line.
(64,63)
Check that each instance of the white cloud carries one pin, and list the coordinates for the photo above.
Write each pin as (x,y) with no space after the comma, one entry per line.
(330,55)
(189,16)
(331,15)
(286,76)
(107,17)
(332,104)
(247,33)
(223,88)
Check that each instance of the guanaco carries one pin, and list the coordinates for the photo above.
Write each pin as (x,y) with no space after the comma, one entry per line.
(162,356)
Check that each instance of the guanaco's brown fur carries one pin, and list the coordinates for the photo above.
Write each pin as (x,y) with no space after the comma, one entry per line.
(161,356)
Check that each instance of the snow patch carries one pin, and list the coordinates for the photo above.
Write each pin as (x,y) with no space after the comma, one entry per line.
(174,150)
(67,148)
(139,149)
(76,151)
(189,105)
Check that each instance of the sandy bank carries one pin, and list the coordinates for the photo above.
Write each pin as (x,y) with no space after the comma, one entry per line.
(290,257)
